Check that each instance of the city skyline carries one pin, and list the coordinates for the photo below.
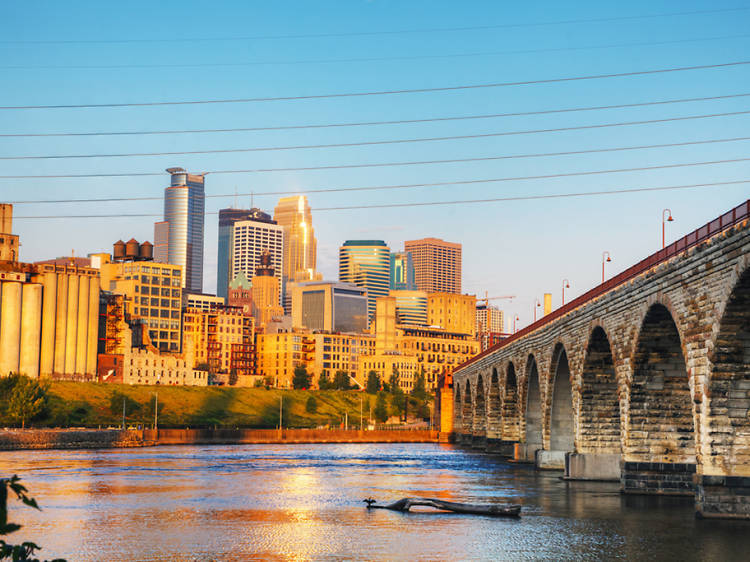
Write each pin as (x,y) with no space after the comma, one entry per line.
(539,242)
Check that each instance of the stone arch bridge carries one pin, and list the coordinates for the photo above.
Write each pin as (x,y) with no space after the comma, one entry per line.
(645,379)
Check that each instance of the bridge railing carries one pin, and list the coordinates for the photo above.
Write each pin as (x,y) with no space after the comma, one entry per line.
(712,228)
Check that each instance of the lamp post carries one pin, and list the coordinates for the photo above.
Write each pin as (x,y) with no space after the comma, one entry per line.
(537,304)
(608,259)
(666,216)
(514,323)
(565,285)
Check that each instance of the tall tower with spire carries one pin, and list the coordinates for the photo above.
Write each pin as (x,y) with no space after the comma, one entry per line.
(300,246)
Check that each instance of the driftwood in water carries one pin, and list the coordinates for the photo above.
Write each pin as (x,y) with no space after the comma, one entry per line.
(406,503)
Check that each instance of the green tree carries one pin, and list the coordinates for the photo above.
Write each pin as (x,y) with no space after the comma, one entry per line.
(324,381)
(21,552)
(398,402)
(116,401)
(312,405)
(301,378)
(27,399)
(233,377)
(393,380)
(420,386)
(381,408)
(341,380)
(373,383)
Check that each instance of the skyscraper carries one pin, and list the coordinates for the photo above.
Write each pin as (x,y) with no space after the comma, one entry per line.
(366,263)
(437,264)
(178,239)
(293,213)
(402,272)
(227,218)
(249,239)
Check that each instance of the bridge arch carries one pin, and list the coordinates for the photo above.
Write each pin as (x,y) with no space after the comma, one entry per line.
(511,407)
(494,407)
(561,416)
(467,412)
(729,386)
(479,428)
(661,422)
(533,432)
(600,430)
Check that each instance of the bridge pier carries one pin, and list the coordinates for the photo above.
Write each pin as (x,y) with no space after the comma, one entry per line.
(550,460)
(502,447)
(478,442)
(662,478)
(592,466)
(722,497)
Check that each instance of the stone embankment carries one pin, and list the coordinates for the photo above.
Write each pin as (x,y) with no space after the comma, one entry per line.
(21,439)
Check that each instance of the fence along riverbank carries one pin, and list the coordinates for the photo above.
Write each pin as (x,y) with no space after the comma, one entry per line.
(25,439)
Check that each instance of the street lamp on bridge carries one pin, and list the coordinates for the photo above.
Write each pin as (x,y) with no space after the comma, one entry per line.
(537,304)
(514,323)
(608,259)
(666,216)
(565,285)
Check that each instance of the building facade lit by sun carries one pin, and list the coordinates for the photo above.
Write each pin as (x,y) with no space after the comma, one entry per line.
(437,264)
(366,263)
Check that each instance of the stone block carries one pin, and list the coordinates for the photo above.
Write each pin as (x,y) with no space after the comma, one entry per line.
(550,460)
(593,466)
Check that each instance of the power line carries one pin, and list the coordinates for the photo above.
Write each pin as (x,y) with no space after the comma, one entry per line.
(371,59)
(374,143)
(385,164)
(372,33)
(416,185)
(431,203)
(371,123)
(384,92)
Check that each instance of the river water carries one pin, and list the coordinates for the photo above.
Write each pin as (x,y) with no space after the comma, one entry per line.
(304,502)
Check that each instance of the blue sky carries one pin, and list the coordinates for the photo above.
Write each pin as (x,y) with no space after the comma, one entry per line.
(523,248)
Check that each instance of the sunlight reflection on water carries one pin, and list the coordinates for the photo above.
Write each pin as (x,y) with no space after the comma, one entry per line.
(302,502)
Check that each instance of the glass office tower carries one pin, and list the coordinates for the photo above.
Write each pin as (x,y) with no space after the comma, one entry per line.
(366,263)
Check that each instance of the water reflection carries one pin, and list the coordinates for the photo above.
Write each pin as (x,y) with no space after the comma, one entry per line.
(301,502)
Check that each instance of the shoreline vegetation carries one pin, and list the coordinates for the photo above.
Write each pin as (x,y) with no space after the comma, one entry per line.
(95,405)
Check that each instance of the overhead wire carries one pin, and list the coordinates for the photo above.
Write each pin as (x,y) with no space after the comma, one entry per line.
(372,59)
(431,203)
(193,38)
(389,164)
(417,185)
(376,143)
(462,87)
(387,122)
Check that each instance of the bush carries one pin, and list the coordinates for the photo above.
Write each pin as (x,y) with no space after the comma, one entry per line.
(27,399)
(311,406)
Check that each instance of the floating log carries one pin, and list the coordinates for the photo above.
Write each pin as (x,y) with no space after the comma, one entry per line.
(403,505)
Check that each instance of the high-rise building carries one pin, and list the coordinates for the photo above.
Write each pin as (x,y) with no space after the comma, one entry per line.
(411,307)
(227,219)
(329,306)
(453,313)
(402,272)
(489,319)
(300,246)
(152,293)
(250,239)
(366,263)
(437,264)
(178,239)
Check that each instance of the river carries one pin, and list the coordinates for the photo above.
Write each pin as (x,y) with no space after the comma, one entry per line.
(304,502)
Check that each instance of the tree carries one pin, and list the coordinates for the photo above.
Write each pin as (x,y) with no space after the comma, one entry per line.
(324,381)
(393,381)
(21,552)
(420,387)
(341,380)
(233,377)
(301,378)
(381,408)
(398,401)
(373,383)
(312,405)
(27,399)
(119,401)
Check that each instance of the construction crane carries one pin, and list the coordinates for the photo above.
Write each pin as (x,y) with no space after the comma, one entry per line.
(486,300)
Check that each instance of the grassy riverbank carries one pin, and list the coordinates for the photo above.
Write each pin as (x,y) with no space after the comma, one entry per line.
(72,404)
